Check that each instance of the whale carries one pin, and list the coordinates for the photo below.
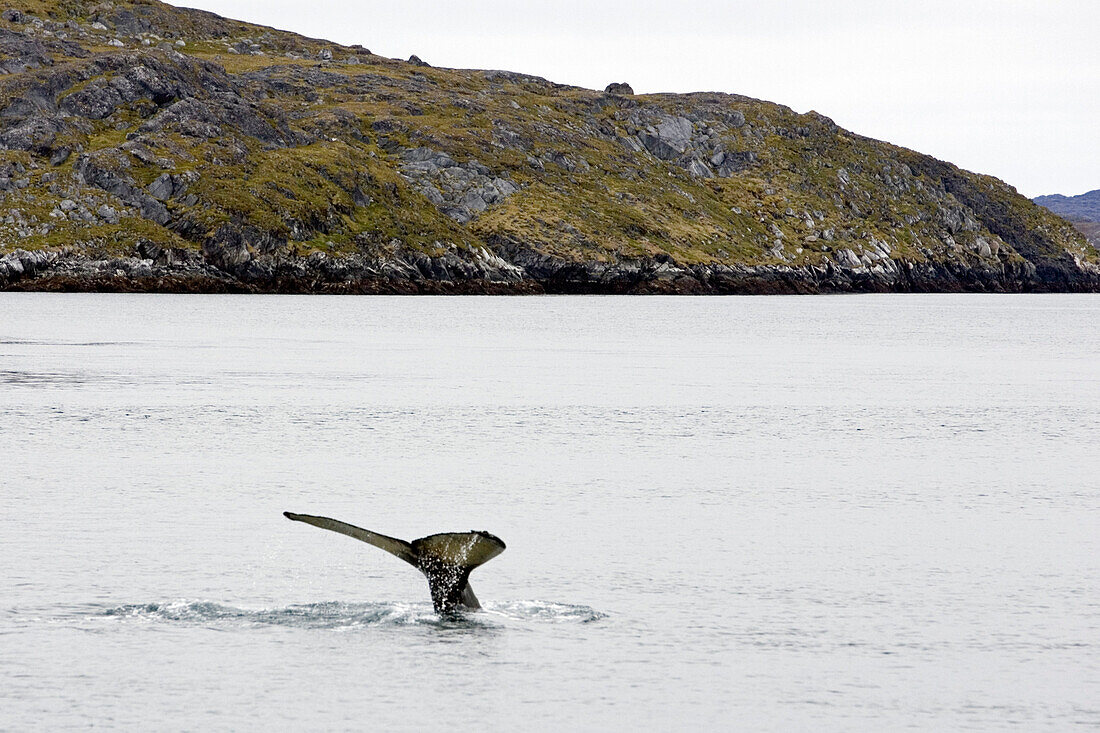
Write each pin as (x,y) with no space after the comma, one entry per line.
(446,559)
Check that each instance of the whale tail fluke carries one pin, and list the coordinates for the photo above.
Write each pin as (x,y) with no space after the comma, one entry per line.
(446,559)
(400,548)
(469,549)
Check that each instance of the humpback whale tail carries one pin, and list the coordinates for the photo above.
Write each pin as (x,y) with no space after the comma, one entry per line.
(446,559)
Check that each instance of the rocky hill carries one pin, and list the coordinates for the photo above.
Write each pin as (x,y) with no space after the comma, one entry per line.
(1082,211)
(147,147)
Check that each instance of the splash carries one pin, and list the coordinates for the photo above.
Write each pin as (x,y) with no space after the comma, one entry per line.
(336,615)
(545,611)
(328,615)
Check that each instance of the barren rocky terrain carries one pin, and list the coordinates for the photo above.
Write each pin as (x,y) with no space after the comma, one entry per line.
(148,147)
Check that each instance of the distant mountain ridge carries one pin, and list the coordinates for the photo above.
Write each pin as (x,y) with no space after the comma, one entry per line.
(1085,206)
(149,147)
(1083,211)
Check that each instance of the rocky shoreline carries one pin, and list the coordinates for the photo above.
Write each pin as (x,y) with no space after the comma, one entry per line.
(158,270)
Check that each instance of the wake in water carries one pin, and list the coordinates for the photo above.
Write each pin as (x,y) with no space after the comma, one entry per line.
(338,615)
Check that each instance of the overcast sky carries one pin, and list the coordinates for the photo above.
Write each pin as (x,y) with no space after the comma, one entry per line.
(1006,87)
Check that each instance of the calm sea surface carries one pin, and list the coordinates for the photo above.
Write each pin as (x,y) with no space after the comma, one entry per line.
(815,513)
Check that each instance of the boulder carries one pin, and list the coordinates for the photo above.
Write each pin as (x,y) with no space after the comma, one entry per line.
(669,139)
(676,132)
(658,147)
(125,22)
(619,88)
(107,214)
(60,155)
(734,118)
(734,162)
(161,188)
(474,202)
(699,169)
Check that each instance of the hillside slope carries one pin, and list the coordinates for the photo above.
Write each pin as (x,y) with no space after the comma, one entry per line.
(147,147)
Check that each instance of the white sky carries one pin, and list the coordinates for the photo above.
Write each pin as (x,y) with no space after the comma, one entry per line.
(1006,87)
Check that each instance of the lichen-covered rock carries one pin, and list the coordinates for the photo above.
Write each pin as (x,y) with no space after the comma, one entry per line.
(37,134)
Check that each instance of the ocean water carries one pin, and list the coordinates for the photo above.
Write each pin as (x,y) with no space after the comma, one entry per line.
(782,513)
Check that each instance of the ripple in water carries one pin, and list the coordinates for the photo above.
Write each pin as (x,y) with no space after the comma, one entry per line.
(544,611)
(339,615)
(329,615)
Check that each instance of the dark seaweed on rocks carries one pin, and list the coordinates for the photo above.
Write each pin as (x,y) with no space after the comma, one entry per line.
(145,147)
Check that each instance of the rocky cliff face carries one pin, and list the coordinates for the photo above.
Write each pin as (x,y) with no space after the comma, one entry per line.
(145,147)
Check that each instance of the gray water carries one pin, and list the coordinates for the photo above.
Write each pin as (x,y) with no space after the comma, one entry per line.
(817,513)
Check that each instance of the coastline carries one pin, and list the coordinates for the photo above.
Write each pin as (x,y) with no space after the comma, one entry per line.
(186,271)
